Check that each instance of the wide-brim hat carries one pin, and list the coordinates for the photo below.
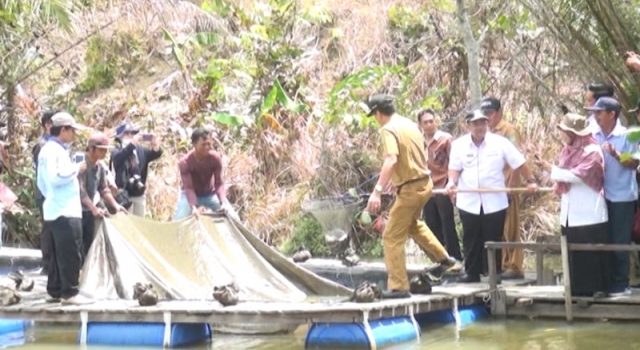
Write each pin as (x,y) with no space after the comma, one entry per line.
(575,123)
(99,140)
(126,127)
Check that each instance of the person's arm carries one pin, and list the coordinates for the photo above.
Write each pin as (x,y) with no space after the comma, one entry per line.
(627,163)
(154,152)
(60,170)
(105,191)
(390,151)
(563,175)
(120,156)
(187,183)
(218,184)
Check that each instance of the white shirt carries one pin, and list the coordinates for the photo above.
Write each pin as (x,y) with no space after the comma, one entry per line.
(58,182)
(483,167)
(581,205)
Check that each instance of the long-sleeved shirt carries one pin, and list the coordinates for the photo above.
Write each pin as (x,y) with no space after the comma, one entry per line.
(58,182)
(581,205)
(438,162)
(132,160)
(202,177)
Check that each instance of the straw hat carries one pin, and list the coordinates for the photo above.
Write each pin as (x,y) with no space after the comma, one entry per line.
(575,123)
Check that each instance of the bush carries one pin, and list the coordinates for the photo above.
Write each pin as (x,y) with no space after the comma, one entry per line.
(307,234)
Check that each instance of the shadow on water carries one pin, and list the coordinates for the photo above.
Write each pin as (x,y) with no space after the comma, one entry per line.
(488,334)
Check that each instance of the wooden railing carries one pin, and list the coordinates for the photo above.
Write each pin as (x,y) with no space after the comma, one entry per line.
(540,249)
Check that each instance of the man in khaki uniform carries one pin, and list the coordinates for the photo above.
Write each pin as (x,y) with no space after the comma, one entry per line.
(405,167)
(512,258)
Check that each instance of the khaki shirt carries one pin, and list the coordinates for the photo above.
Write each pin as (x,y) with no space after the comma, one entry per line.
(401,136)
(508,131)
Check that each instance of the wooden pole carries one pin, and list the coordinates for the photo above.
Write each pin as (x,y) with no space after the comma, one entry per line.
(494,190)
(493,271)
(566,273)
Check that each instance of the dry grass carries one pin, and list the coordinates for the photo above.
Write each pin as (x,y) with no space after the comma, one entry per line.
(269,177)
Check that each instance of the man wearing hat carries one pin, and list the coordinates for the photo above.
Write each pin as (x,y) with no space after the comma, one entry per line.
(620,187)
(477,161)
(512,258)
(131,163)
(92,177)
(404,167)
(57,180)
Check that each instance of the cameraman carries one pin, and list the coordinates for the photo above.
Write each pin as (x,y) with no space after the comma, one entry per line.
(131,162)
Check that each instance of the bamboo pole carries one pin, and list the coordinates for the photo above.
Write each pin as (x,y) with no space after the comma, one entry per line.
(494,190)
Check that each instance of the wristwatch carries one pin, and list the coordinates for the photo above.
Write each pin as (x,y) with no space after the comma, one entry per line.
(378,189)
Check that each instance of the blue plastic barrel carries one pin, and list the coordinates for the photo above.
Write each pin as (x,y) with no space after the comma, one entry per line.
(12,332)
(386,331)
(146,334)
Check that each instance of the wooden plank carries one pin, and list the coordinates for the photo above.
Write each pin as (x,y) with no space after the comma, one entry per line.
(595,311)
(566,277)
(539,267)
(493,278)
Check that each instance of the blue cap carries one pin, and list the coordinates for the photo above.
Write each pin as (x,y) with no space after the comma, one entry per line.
(605,104)
(126,127)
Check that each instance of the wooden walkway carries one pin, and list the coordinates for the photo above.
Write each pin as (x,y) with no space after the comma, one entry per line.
(549,302)
(210,311)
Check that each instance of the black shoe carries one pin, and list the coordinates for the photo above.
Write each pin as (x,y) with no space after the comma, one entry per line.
(468,279)
(444,266)
(512,275)
(395,294)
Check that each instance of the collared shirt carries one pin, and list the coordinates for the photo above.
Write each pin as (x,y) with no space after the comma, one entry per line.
(402,137)
(619,182)
(581,205)
(58,182)
(438,161)
(482,167)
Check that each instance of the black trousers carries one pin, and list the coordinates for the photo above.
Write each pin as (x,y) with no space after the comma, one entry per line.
(64,270)
(88,232)
(478,229)
(45,239)
(590,271)
(438,215)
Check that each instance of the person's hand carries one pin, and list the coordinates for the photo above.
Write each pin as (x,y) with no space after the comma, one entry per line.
(608,148)
(99,212)
(121,209)
(532,187)
(197,211)
(632,60)
(452,190)
(373,205)
(229,210)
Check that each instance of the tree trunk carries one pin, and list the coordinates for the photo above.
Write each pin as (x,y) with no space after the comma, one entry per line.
(472,46)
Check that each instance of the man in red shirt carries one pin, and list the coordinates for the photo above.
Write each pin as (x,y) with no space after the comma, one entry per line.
(201,173)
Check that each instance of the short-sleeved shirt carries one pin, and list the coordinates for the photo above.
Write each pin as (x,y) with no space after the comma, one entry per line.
(200,177)
(438,157)
(483,167)
(401,137)
(619,182)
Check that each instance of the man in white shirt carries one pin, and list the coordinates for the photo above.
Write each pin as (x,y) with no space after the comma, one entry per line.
(57,181)
(477,161)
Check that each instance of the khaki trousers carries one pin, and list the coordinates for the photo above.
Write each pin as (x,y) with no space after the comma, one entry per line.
(512,258)
(404,222)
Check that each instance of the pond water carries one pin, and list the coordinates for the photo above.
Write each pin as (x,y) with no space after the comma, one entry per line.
(488,334)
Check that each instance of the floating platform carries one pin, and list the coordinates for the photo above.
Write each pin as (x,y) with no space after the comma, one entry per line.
(379,323)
